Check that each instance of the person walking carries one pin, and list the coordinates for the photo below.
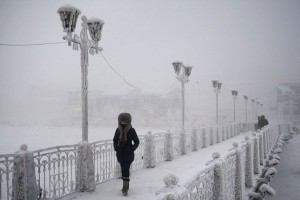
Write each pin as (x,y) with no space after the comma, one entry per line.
(262,122)
(125,142)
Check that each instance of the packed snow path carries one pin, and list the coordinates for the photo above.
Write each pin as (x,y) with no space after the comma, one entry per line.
(145,182)
(287,181)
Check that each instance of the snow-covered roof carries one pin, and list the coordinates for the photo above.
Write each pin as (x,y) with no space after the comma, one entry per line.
(68,7)
(285,89)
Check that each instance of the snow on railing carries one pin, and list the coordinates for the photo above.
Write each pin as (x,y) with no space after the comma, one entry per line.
(6,171)
(55,171)
(55,167)
(201,186)
(227,177)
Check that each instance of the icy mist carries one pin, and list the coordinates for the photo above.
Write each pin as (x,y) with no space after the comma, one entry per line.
(250,46)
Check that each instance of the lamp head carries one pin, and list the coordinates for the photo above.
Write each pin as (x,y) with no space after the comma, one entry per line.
(68,16)
(219,85)
(215,83)
(95,26)
(234,92)
(177,66)
(188,70)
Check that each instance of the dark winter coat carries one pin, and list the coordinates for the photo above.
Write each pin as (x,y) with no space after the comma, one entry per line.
(125,151)
(262,122)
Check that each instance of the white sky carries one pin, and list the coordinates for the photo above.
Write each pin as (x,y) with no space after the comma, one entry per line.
(249,45)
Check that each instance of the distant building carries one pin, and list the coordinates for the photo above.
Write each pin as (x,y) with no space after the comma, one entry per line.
(288,100)
(147,109)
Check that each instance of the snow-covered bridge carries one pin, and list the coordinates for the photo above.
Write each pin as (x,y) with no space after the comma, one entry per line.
(183,154)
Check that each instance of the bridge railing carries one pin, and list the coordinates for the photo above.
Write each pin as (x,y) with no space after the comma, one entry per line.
(229,176)
(56,169)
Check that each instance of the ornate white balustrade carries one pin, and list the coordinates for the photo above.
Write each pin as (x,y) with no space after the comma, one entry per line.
(55,167)
(227,177)
(55,171)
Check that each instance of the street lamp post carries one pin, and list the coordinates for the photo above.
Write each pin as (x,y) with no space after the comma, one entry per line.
(291,107)
(257,107)
(85,170)
(217,88)
(182,74)
(253,109)
(69,15)
(246,105)
(234,94)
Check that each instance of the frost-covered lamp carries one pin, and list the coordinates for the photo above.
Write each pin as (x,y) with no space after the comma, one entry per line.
(188,70)
(215,83)
(217,88)
(68,16)
(177,66)
(95,26)
(234,93)
(219,85)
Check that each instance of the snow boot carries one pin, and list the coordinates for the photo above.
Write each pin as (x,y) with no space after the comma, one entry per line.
(125,186)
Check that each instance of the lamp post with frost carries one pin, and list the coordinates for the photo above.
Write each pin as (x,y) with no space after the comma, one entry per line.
(182,74)
(246,106)
(85,170)
(253,109)
(257,107)
(69,15)
(234,95)
(217,88)
(291,106)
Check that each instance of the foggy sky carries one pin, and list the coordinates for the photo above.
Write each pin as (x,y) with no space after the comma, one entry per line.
(249,45)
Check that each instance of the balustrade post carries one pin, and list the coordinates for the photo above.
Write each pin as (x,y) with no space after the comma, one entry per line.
(204,138)
(85,168)
(219,182)
(261,149)
(256,156)
(24,185)
(172,190)
(265,143)
(248,164)
(168,147)
(227,131)
(223,133)
(239,186)
(183,149)
(211,136)
(217,133)
(195,140)
(149,155)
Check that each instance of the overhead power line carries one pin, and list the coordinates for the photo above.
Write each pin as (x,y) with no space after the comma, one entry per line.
(30,44)
(111,67)
(51,43)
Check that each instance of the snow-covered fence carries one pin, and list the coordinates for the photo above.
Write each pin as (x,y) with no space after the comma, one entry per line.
(55,167)
(201,186)
(227,177)
(6,170)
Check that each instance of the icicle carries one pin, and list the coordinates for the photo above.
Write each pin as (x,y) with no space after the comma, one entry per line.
(75,46)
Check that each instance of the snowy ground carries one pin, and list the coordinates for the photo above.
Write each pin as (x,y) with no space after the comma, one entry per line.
(144,183)
(286,183)
(43,137)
